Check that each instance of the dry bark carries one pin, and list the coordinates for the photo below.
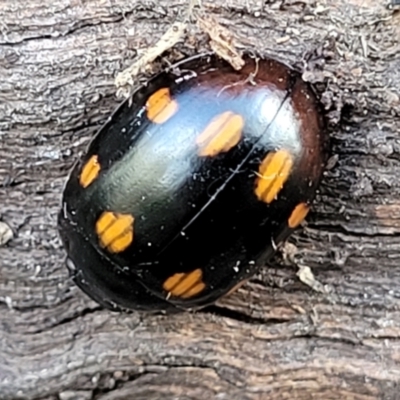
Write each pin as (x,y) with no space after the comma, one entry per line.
(275,338)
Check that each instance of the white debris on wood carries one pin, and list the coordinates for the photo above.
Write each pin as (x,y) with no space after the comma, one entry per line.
(6,233)
(306,276)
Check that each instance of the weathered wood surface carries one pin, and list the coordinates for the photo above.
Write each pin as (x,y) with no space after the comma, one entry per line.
(273,339)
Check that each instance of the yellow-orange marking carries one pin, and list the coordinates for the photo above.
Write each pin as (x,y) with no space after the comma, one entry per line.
(90,171)
(160,106)
(272,175)
(298,215)
(220,135)
(185,285)
(115,231)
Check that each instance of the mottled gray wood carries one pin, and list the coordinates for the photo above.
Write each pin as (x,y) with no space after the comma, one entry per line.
(273,339)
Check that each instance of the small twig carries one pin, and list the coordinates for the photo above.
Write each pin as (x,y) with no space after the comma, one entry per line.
(222,41)
(125,79)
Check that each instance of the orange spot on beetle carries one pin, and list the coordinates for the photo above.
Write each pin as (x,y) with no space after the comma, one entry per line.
(185,285)
(90,171)
(220,135)
(272,175)
(298,215)
(115,231)
(160,106)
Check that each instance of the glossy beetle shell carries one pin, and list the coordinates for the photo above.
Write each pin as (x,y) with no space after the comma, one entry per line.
(189,186)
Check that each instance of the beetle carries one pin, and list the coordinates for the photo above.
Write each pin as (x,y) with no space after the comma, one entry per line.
(189,186)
